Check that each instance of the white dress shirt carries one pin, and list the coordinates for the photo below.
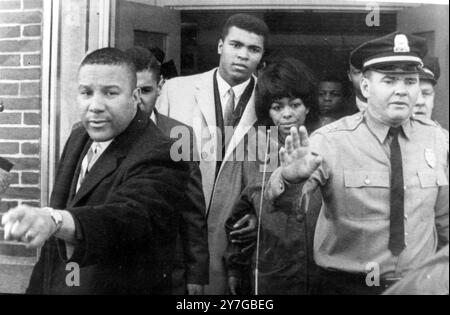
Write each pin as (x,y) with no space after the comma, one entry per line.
(224,89)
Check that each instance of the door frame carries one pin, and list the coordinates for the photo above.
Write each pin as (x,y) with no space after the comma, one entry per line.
(50,110)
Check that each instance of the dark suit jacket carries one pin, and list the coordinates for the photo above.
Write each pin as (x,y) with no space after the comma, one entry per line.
(192,256)
(125,215)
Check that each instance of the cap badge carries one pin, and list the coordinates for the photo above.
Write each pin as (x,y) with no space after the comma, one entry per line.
(401,44)
(430,158)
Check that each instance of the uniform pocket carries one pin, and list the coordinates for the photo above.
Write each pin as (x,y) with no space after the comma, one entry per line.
(358,179)
(367,194)
(432,178)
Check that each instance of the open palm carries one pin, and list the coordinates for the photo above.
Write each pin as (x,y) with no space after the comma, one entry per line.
(297,161)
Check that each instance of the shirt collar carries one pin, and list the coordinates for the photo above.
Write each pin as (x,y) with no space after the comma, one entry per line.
(153,117)
(224,87)
(101,146)
(360,104)
(381,130)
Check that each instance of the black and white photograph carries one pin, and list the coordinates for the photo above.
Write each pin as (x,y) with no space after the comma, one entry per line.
(214,151)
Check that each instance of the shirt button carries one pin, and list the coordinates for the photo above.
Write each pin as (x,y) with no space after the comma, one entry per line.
(367,181)
(281,186)
(204,155)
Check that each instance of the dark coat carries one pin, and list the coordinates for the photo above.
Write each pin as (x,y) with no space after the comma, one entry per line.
(192,255)
(125,215)
(286,264)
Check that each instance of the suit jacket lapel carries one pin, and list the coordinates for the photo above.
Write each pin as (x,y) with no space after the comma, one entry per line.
(76,175)
(110,159)
(204,96)
(69,169)
(247,121)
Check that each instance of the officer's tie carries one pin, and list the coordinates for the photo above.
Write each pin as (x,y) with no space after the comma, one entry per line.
(397,228)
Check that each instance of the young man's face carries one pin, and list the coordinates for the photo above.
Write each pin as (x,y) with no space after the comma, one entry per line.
(425,101)
(330,95)
(107,100)
(148,83)
(240,54)
(391,97)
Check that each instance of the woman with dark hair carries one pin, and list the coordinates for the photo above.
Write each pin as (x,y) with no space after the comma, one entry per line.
(285,98)
(287,84)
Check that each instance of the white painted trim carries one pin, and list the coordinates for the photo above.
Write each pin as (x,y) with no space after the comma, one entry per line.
(299,5)
(104,23)
(112,24)
(50,38)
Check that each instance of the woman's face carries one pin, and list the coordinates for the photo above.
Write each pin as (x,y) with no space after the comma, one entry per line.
(287,112)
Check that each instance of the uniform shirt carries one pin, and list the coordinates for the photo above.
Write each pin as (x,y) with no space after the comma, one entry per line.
(430,279)
(353,225)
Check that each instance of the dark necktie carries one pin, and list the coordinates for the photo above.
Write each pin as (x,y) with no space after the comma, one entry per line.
(397,211)
(229,109)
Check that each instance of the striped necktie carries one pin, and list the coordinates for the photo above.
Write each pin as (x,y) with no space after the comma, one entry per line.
(87,163)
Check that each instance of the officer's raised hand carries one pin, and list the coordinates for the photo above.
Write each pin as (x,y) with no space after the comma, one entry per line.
(297,161)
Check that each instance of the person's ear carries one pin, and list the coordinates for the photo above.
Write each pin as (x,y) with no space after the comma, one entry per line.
(137,96)
(365,86)
(306,111)
(220,47)
(160,85)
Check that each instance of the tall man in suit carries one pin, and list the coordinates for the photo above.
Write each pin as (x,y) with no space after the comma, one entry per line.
(112,220)
(210,101)
(191,267)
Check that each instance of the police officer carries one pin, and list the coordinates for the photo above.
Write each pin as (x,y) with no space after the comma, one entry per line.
(383,175)
(429,75)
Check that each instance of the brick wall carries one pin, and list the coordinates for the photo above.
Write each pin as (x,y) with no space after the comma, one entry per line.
(20,124)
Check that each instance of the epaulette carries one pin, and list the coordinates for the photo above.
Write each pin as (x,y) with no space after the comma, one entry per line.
(346,123)
(425,121)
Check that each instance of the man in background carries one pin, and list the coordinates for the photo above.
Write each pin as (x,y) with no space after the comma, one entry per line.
(356,101)
(191,265)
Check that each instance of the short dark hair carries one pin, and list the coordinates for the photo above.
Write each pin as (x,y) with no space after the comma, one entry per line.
(346,87)
(111,57)
(287,77)
(144,60)
(248,23)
